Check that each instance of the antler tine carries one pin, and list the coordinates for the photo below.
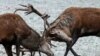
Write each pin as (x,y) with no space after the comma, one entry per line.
(45,17)
(30,5)
(45,29)
(28,9)
(23,5)
(20,10)
(32,9)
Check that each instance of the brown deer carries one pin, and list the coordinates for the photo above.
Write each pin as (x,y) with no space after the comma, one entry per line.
(73,23)
(14,30)
(10,26)
(31,9)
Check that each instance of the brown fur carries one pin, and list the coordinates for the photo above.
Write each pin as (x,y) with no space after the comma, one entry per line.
(36,43)
(78,22)
(10,25)
(13,28)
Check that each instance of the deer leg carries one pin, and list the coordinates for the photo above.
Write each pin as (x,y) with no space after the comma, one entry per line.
(8,49)
(17,47)
(17,50)
(74,53)
(39,53)
(33,53)
(70,44)
(75,38)
(23,53)
(46,49)
(67,49)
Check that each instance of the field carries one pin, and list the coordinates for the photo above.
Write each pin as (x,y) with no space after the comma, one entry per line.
(86,46)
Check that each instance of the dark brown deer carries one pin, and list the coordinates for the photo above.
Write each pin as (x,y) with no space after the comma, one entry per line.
(31,9)
(14,29)
(73,23)
(10,26)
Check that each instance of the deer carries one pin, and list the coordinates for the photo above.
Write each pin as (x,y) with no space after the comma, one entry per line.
(73,23)
(29,9)
(10,26)
(15,31)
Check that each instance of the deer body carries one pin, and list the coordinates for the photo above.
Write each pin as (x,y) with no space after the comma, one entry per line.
(10,25)
(75,22)
(13,27)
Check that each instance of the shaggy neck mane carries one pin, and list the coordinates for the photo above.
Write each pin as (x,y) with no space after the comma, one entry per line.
(63,20)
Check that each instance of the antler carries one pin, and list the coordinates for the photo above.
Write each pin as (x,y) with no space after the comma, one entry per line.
(45,17)
(28,8)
